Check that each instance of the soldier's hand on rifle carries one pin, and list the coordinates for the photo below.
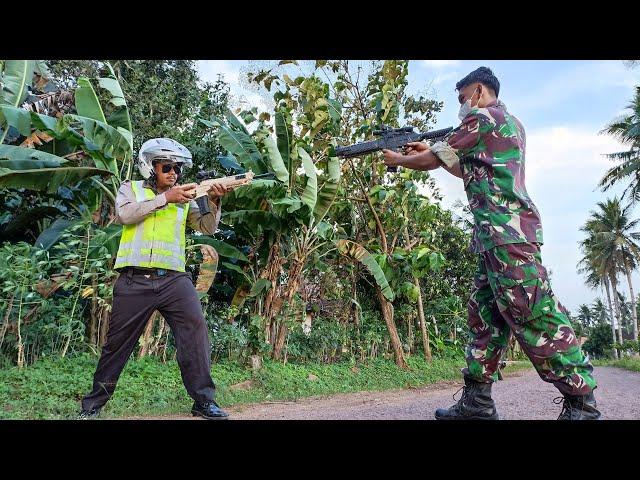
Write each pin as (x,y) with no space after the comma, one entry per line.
(180,193)
(414,148)
(216,191)
(391,158)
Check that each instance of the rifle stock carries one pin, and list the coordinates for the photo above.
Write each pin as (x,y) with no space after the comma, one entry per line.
(231,181)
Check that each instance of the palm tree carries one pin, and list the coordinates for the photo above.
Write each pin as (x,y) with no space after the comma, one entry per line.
(597,276)
(615,242)
(585,316)
(599,312)
(627,130)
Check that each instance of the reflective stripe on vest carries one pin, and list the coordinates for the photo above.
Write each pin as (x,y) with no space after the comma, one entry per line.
(156,242)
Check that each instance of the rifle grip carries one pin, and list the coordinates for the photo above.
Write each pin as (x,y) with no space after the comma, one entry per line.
(203,205)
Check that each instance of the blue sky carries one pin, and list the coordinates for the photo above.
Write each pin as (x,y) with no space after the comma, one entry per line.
(562,105)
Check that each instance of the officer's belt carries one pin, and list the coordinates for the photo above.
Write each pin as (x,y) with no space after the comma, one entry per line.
(156,272)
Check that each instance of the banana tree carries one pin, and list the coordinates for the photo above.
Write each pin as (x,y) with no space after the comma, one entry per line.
(288,215)
(50,160)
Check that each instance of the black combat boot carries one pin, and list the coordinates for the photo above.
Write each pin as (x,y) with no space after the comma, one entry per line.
(475,403)
(88,414)
(578,407)
(209,410)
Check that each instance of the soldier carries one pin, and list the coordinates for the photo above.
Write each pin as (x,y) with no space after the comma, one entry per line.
(511,290)
(151,262)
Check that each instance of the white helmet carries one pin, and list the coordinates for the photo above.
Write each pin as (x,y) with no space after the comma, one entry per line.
(161,149)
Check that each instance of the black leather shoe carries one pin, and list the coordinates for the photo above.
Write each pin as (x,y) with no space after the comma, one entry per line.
(475,403)
(89,414)
(578,407)
(209,410)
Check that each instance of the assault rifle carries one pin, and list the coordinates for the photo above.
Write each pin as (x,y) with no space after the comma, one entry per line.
(390,139)
(207,179)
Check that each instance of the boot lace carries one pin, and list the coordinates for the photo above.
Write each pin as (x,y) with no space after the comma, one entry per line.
(567,407)
(466,390)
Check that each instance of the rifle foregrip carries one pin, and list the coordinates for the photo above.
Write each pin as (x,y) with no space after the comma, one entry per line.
(436,134)
(357,149)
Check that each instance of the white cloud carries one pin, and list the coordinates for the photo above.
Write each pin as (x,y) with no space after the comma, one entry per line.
(440,63)
(585,79)
(209,70)
(445,77)
(239,95)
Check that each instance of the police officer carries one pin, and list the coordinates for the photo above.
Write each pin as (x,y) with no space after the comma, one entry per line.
(151,260)
(511,290)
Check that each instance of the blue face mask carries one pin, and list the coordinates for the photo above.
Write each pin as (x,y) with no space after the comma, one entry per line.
(466,107)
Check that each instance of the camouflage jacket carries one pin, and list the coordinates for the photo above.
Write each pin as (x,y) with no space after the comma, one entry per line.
(490,146)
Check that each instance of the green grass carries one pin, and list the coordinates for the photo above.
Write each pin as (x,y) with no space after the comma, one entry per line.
(52,388)
(628,363)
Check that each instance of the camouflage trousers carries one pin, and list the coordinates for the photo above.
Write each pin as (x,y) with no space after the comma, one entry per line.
(512,295)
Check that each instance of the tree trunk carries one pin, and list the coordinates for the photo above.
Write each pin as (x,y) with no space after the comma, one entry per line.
(147,336)
(271,272)
(155,348)
(633,302)
(616,303)
(5,323)
(92,326)
(423,326)
(387,313)
(611,315)
(20,344)
(104,327)
(295,273)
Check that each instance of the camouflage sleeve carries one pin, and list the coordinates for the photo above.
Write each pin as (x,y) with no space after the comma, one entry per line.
(464,138)
(459,142)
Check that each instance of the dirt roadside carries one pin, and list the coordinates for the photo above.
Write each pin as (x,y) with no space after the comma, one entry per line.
(521,396)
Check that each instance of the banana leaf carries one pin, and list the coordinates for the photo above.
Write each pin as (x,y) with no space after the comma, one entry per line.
(51,235)
(284,135)
(235,123)
(253,221)
(120,116)
(19,118)
(275,159)
(103,142)
(359,253)
(260,285)
(223,248)
(235,268)
(40,171)
(310,192)
(329,190)
(20,158)
(239,144)
(16,77)
(87,103)
(24,219)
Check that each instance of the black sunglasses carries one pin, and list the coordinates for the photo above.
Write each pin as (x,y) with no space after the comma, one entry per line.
(175,168)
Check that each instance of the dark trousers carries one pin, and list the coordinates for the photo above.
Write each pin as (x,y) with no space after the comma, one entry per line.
(135,297)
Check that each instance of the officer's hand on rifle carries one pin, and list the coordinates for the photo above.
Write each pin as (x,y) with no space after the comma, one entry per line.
(180,193)
(216,191)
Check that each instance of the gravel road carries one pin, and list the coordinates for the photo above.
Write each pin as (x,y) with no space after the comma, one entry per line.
(521,396)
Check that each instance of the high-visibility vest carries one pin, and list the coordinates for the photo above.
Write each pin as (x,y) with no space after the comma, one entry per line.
(156,242)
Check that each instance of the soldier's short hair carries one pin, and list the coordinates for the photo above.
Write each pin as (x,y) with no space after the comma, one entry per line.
(482,75)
